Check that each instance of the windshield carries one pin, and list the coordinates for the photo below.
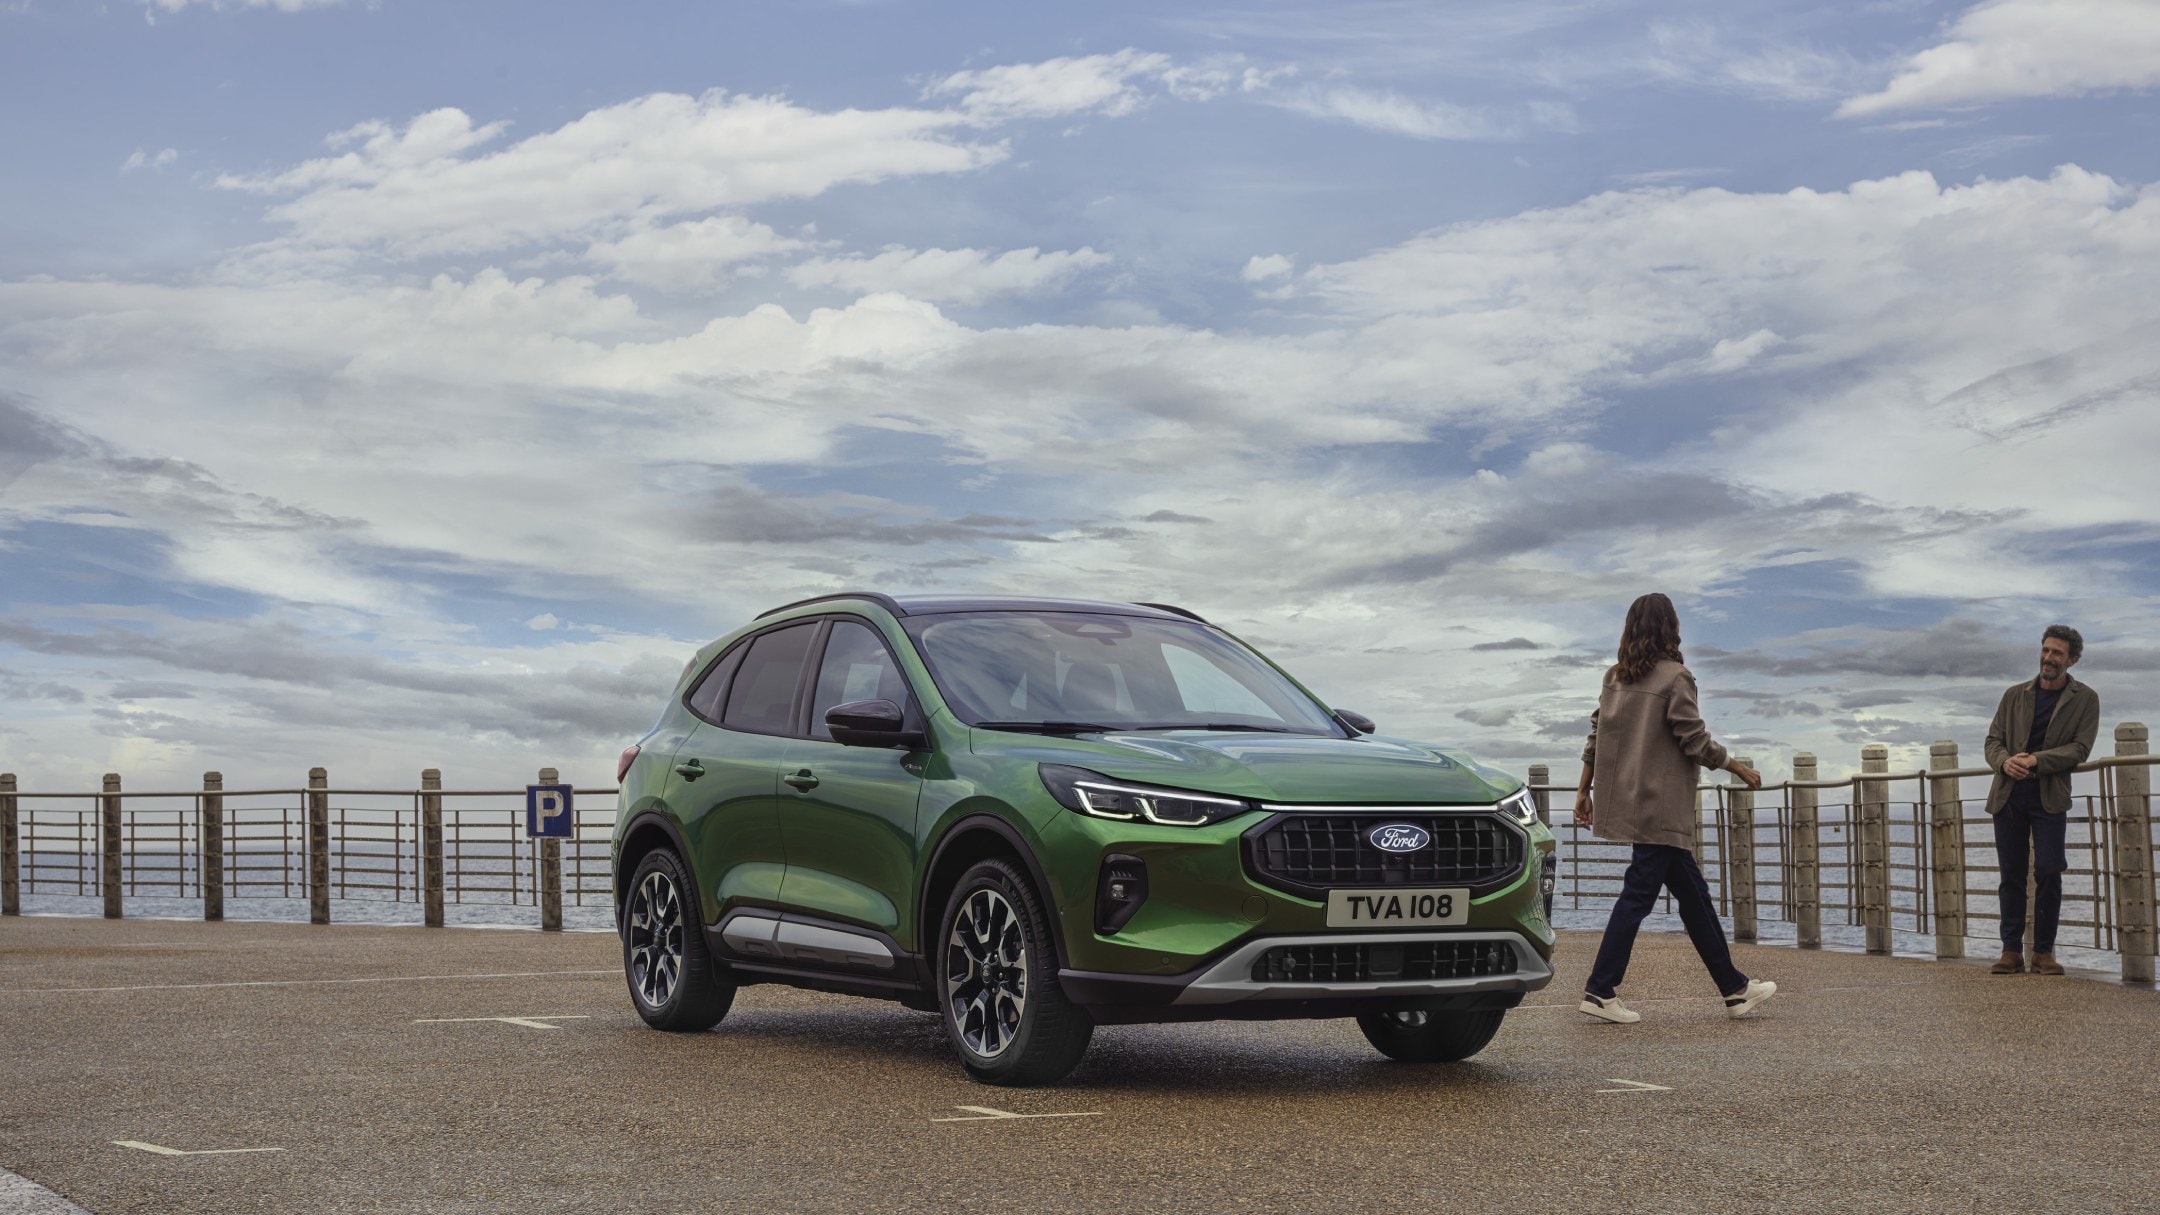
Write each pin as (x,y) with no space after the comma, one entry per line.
(1075,670)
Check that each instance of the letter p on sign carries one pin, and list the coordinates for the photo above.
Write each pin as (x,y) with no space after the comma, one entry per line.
(547,812)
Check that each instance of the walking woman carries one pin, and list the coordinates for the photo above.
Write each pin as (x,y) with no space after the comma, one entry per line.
(1646,740)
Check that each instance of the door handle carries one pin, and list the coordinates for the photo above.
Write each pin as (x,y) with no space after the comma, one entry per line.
(690,769)
(802,780)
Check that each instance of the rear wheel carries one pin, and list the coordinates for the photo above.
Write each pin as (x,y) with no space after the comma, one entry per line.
(1415,1036)
(671,975)
(997,982)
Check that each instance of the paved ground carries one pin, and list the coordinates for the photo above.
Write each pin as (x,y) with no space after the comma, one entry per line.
(1869,1084)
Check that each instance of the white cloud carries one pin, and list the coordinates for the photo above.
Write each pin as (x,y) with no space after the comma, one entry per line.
(1055,87)
(688,256)
(283,6)
(139,159)
(416,191)
(1393,113)
(955,276)
(2007,49)
(1261,268)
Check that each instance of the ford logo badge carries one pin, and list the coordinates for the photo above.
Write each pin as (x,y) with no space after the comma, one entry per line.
(1399,837)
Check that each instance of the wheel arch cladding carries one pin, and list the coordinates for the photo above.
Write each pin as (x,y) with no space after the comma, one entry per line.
(648,834)
(977,839)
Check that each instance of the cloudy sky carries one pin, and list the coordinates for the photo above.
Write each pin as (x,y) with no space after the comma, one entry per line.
(396,384)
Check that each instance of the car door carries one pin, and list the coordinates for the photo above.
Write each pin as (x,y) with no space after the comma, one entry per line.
(726,776)
(847,814)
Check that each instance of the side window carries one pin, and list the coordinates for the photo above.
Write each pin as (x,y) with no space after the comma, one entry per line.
(704,699)
(762,697)
(857,666)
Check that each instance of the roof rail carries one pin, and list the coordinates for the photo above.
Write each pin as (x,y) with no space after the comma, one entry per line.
(884,601)
(1171,607)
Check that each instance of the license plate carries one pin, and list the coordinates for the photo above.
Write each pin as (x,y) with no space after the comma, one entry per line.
(1398,908)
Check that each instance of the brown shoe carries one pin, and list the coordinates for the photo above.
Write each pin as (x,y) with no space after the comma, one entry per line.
(2008,964)
(2045,964)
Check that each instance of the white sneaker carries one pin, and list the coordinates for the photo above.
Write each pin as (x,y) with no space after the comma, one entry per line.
(1746,1000)
(1608,1009)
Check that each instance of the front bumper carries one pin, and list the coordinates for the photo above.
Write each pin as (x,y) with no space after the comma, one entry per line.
(1226,986)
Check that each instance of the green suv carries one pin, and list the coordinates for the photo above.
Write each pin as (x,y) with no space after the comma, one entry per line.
(1035,816)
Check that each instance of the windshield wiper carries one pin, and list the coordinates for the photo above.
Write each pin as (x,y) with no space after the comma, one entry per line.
(1050,727)
(1246,727)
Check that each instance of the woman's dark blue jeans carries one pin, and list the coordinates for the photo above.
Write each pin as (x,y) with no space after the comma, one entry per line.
(1657,867)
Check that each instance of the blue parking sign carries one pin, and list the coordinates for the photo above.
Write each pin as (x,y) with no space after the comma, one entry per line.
(547,812)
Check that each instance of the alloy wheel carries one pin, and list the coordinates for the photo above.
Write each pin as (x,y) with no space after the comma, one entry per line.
(656,940)
(986,966)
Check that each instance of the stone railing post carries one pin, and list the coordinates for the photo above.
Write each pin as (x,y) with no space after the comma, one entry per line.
(2133,856)
(1540,774)
(10,849)
(551,869)
(1806,856)
(431,849)
(109,845)
(210,846)
(1875,847)
(1740,855)
(1946,830)
(318,838)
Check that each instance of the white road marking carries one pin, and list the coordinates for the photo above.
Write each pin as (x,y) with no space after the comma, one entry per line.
(539,1021)
(983,1113)
(507,974)
(1633,1086)
(158,1150)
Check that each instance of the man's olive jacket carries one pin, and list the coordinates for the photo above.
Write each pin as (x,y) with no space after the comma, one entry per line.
(2069,739)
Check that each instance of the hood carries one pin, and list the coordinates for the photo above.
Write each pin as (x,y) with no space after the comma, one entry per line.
(1275,767)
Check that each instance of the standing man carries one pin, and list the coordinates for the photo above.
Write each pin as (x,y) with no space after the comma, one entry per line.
(2052,721)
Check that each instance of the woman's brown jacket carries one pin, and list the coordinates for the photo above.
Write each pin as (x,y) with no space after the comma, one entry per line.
(1646,740)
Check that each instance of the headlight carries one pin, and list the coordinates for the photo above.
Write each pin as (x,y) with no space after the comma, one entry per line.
(1099,796)
(1519,806)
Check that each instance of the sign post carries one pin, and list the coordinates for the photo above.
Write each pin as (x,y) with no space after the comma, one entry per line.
(548,819)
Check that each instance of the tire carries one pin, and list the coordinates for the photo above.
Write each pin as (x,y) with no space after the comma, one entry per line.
(1017,1028)
(672,979)
(1416,1036)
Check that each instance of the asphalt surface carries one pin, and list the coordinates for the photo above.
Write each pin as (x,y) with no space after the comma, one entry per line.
(1868,1084)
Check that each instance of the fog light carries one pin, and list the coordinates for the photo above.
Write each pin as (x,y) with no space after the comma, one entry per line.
(1549,882)
(1119,890)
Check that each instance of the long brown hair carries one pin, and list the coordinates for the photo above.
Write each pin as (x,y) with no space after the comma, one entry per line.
(1651,635)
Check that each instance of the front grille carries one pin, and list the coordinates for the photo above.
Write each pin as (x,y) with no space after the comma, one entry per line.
(1408,962)
(1313,853)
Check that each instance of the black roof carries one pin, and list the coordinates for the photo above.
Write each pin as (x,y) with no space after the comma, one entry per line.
(925,605)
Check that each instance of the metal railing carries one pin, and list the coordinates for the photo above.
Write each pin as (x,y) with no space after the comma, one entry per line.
(1886,858)
(1896,860)
(429,846)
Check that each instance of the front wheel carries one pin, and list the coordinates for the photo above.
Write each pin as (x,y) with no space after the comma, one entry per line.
(1413,1035)
(997,982)
(671,975)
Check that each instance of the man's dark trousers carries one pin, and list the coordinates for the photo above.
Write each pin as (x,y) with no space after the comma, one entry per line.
(1656,867)
(2047,831)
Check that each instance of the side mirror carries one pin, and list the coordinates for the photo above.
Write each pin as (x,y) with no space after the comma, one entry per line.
(871,723)
(1358,722)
